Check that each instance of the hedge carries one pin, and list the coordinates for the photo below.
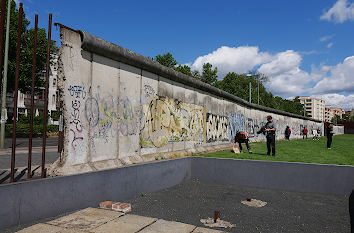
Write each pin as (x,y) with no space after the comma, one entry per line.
(23,130)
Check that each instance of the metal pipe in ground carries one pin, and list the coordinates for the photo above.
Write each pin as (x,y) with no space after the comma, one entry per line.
(18,51)
(2,24)
(29,165)
(45,111)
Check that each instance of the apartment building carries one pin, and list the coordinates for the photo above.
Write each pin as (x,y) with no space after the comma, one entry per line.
(315,108)
(328,114)
(24,99)
(338,111)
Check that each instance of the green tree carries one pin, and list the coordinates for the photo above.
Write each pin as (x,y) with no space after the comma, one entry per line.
(209,75)
(26,55)
(238,85)
(185,69)
(166,60)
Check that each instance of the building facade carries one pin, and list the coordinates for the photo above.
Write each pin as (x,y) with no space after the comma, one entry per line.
(328,114)
(315,108)
(24,99)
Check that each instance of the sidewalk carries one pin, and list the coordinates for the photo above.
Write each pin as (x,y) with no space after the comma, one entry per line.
(96,220)
(24,150)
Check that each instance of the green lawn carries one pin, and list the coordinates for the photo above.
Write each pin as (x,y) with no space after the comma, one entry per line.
(305,151)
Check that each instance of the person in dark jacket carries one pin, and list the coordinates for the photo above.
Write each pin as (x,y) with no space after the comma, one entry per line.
(287,133)
(270,129)
(329,132)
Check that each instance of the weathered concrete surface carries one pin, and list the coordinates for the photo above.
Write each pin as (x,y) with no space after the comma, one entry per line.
(163,226)
(95,220)
(121,108)
(86,220)
(24,202)
(127,224)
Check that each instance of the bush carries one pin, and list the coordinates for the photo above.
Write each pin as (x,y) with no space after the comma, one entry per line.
(23,130)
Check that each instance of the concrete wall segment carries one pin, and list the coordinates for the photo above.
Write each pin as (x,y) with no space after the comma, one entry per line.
(115,52)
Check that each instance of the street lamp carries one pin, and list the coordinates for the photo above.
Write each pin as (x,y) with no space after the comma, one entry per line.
(250,90)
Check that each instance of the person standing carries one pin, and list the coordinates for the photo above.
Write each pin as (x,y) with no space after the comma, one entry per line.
(304,133)
(287,133)
(270,129)
(329,135)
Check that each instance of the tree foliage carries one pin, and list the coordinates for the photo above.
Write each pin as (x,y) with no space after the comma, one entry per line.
(209,75)
(26,55)
(237,84)
(166,60)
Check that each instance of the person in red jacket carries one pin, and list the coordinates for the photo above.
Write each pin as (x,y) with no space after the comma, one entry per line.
(304,133)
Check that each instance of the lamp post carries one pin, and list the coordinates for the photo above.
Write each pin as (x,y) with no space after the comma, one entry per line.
(250,90)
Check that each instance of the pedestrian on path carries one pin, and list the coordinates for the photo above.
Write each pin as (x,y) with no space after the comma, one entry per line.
(270,129)
(287,133)
(329,135)
(304,133)
(315,135)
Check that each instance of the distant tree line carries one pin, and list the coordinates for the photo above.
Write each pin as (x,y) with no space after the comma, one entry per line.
(236,84)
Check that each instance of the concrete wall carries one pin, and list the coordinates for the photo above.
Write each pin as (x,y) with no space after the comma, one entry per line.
(338,129)
(25,202)
(300,177)
(122,108)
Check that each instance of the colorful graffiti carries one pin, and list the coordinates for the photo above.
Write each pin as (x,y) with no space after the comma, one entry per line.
(108,115)
(217,128)
(169,120)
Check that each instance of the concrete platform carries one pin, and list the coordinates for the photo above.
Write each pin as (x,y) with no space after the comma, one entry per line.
(94,220)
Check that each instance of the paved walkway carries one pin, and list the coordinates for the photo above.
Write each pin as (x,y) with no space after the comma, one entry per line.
(96,220)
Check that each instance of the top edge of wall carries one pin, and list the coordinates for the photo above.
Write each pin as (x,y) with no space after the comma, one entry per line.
(115,52)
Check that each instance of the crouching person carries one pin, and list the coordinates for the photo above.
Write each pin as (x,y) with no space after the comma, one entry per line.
(242,137)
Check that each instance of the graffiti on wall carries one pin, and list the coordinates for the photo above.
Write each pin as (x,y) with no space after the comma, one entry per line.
(169,120)
(108,115)
(237,123)
(217,128)
(75,123)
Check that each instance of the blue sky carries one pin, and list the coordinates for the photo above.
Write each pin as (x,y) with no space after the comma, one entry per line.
(305,47)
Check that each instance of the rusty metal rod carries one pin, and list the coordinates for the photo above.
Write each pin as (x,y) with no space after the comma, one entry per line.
(46,97)
(18,51)
(29,165)
(2,24)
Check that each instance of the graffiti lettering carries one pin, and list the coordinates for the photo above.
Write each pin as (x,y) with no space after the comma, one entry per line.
(77,91)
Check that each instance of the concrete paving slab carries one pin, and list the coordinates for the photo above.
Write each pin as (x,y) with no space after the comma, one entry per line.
(126,224)
(86,219)
(206,230)
(41,228)
(163,226)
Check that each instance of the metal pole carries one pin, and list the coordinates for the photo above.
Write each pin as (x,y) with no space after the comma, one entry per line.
(46,97)
(18,51)
(258,92)
(250,97)
(2,23)
(32,99)
(4,85)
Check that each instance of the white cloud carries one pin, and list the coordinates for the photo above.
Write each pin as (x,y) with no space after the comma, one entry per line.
(340,12)
(330,45)
(340,79)
(338,100)
(286,78)
(233,59)
(326,38)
